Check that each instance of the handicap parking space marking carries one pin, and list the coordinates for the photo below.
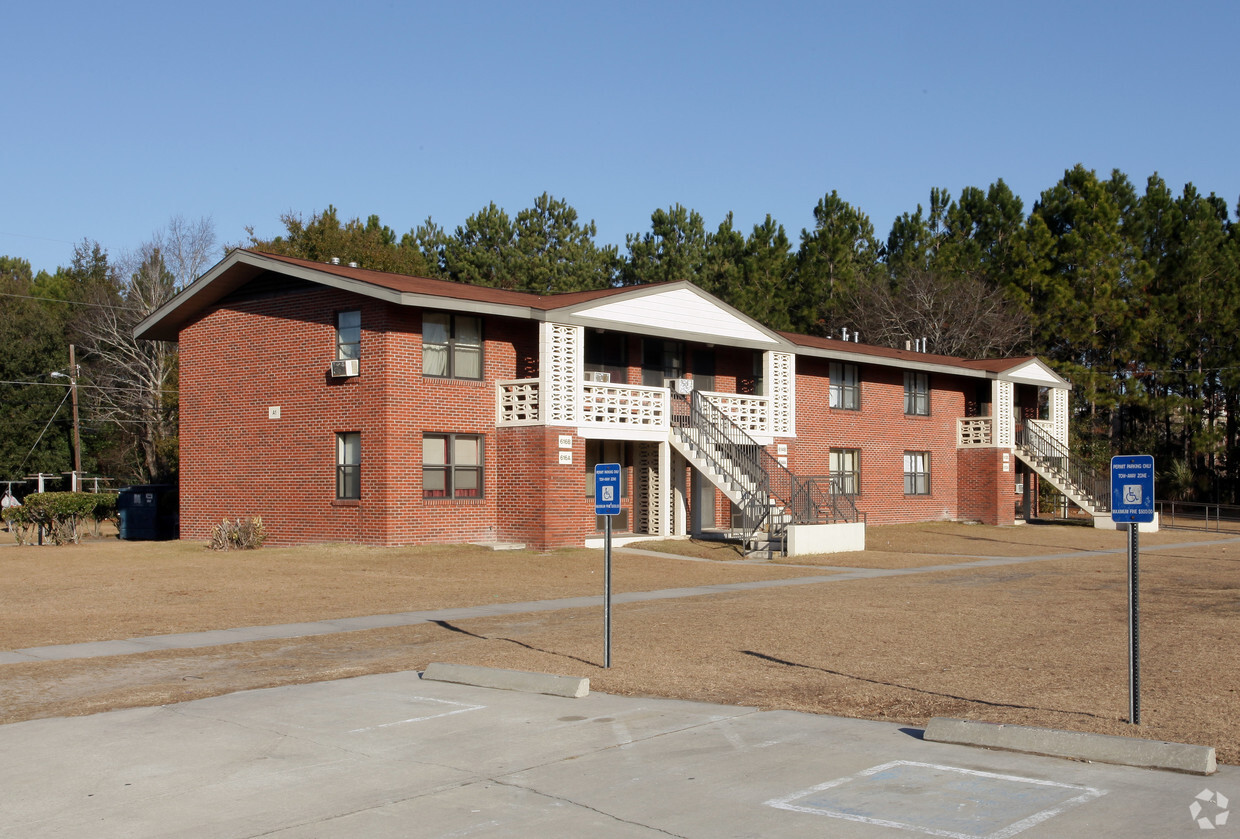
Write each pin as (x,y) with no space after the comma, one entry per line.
(940,800)
(460,708)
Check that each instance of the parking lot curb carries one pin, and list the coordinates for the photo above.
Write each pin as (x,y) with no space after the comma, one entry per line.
(1099,748)
(490,677)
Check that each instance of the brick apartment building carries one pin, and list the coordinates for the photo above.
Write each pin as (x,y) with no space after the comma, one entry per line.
(343,404)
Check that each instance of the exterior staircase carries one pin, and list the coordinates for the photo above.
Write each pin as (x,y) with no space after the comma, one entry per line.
(1083,486)
(768,495)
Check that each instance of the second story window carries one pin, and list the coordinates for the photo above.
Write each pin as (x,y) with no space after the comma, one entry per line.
(348,335)
(917,393)
(845,386)
(661,360)
(451,346)
(607,352)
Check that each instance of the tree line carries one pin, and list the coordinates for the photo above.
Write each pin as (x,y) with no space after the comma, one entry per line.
(1129,293)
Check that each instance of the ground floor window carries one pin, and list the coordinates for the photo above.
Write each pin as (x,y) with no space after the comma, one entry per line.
(845,465)
(917,473)
(451,466)
(349,465)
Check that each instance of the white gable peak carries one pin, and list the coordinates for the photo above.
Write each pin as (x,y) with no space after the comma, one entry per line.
(676,310)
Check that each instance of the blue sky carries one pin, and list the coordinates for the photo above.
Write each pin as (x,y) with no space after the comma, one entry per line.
(122,115)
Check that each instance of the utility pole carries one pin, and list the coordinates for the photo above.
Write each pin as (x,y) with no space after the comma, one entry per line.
(77,430)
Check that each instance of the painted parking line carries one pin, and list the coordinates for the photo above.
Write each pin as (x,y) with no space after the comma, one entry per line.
(939,800)
(460,708)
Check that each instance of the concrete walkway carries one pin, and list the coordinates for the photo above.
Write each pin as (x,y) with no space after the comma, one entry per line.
(243,635)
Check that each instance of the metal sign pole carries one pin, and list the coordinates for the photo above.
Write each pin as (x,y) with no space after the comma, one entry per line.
(1132,503)
(607,494)
(607,595)
(1134,628)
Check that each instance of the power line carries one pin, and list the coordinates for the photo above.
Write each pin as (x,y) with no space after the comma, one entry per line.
(113,388)
(70,302)
(41,433)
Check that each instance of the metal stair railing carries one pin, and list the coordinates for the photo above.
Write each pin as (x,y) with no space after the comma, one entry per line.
(832,503)
(771,494)
(1088,482)
(731,453)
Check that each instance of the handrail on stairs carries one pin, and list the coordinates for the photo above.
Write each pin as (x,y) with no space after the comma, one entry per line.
(771,495)
(1053,455)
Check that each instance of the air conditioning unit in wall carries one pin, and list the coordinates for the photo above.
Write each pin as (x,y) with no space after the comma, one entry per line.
(344,367)
(598,377)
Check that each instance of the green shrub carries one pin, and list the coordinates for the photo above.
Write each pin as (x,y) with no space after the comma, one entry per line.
(238,535)
(60,515)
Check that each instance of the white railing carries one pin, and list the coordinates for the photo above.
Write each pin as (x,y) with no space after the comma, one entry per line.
(518,402)
(1046,427)
(627,405)
(751,413)
(630,406)
(974,431)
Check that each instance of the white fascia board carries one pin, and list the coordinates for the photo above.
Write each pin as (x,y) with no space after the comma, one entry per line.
(207,289)
(898,363)
(477,307)
(675,310)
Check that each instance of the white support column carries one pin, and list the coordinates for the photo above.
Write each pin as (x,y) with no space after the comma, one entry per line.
(780,371)
(1059,414)
(680,495)
(560,367)
(664,490)
(1002,399)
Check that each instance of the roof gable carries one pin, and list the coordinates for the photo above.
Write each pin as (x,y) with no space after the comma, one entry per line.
(678,310)
(1034,371)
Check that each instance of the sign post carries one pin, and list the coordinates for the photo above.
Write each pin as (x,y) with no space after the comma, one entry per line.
(607,504)
(1132,502)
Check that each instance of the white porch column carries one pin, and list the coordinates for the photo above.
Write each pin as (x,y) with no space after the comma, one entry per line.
(665,490)
(1059,414)
(561,359)
(680,494)
(780,372)
(1002,399)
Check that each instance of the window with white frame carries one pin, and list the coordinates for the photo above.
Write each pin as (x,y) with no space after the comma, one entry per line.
(451,346)
(845,386)
(349,466)
(451,466)
(917,473)
(348,334)
(917,393)
(845,466)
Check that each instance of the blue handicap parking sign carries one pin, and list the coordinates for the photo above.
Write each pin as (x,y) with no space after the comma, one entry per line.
(1132,488)
(607,489)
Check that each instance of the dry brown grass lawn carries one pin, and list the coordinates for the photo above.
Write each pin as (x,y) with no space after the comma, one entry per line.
(1040,643)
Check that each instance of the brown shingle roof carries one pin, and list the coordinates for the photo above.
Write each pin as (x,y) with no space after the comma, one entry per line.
(448,288)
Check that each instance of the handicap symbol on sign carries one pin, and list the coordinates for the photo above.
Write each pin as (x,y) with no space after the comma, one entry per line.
(1132,493)
(609,492)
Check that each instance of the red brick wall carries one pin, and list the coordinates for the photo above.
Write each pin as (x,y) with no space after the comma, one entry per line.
(275,351)
(542,502)
(987,493)
(243,357)
(882,432)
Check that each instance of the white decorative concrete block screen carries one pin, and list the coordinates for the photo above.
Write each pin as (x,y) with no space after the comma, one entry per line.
(781,383)
(518,402)
(562,366)
(751,413)
(974,431)
(627,405)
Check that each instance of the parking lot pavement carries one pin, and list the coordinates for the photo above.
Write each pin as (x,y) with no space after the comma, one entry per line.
(396,756)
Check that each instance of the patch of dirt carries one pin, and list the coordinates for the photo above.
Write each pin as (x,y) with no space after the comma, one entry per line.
(1043,643)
